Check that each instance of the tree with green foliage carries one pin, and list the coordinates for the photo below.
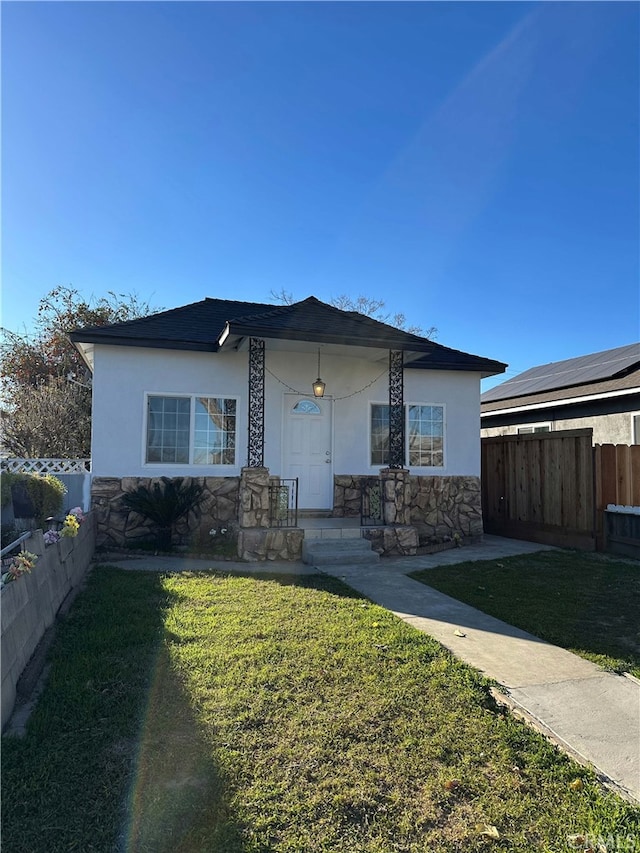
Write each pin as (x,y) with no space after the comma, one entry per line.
(34,359)
(46,385)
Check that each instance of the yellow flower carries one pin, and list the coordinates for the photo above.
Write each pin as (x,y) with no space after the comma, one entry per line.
(70,527)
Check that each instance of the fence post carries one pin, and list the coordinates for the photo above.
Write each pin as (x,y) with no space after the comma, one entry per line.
(86,492)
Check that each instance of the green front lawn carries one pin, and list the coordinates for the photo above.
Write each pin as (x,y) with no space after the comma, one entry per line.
(199,713)
(587,603)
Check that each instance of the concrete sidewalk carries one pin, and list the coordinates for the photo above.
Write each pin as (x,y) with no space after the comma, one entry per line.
(594,715)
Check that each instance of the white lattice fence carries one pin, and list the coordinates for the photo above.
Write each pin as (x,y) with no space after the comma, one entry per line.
(46,466)
(74,473)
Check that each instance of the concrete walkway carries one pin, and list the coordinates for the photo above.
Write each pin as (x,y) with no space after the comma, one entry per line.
(592,714)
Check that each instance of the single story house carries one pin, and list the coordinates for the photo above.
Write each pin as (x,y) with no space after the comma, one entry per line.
(600,390)
(242,394)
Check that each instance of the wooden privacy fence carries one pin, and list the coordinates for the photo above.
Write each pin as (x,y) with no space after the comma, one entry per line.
(540,486)
(617,480)
(617,474)
(554,487)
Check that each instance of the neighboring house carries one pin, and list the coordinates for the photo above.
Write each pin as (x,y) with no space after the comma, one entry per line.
(601,391)
(220,387)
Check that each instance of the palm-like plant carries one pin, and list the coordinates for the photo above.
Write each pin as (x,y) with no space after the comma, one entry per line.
(164,504)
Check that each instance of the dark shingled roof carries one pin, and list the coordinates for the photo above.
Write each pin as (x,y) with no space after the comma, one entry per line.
(192,327)
(201,325)
(570,373)
(315,320)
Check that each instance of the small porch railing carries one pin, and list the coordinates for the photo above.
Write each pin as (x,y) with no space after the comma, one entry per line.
(283,503)
(371,504)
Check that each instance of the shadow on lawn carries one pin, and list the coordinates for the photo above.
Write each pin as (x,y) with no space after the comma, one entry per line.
(179,799)
(114,758)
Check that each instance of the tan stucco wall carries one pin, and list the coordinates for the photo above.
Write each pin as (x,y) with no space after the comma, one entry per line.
(607,429)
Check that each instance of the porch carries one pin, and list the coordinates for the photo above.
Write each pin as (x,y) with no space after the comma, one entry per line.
(432,513)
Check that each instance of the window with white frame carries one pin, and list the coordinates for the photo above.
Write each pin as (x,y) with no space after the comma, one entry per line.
(191,430)
(424,435)
(379,434)
(527,430)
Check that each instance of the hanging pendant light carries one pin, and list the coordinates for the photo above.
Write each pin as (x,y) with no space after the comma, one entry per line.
(318,385)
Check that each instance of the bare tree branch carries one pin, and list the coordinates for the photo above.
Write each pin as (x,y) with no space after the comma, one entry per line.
(370,307)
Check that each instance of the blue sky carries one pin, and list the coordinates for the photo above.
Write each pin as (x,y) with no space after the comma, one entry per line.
(474,164)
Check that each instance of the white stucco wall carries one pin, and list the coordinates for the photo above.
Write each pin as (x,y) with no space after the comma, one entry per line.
(123,375)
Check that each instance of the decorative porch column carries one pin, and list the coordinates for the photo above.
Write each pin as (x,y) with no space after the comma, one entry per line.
(396,491)
(396,496)
(254,478)
(255,451)
(396,409)
(254,497)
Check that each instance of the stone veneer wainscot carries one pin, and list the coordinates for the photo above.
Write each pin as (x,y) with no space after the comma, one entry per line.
(439,507)
(119,526)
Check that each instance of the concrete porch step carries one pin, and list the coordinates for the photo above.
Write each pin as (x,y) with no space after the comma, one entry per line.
(326,552)
(331,533)
(325,527)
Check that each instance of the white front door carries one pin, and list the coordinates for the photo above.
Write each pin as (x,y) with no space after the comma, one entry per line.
(307,449)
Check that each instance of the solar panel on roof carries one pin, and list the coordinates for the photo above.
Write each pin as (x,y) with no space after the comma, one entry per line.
(564,374)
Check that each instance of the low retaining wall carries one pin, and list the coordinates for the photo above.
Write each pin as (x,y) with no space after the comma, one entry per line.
(30,603)
(276,543)
(400,541)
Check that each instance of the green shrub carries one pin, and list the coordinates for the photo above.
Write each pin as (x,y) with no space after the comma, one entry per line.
(8,534)
(45,491)
(6,482)
(164,504)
